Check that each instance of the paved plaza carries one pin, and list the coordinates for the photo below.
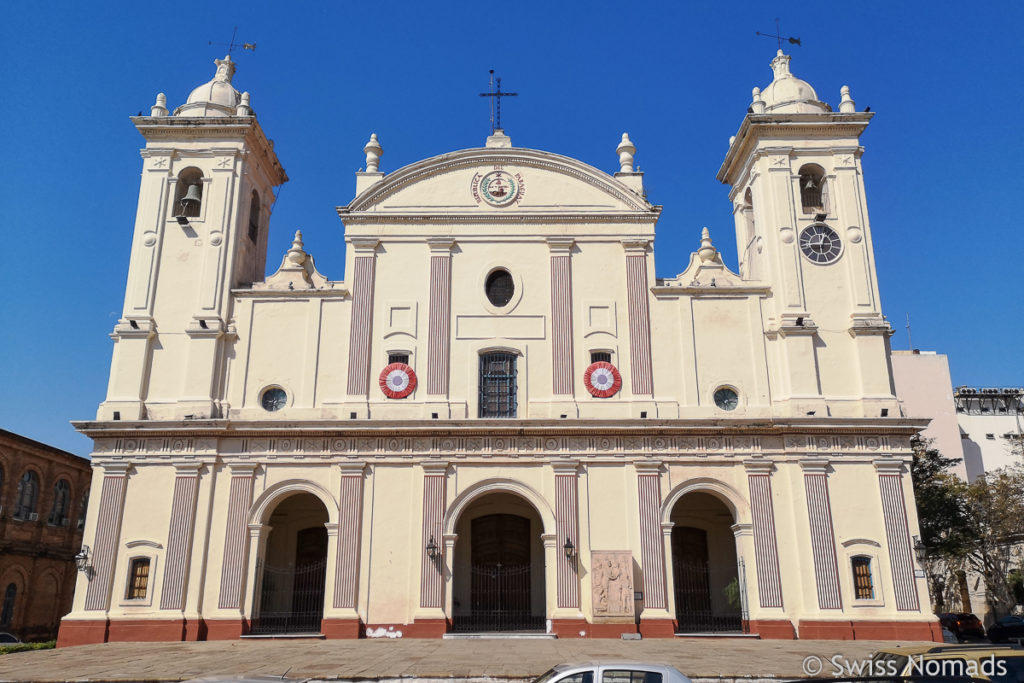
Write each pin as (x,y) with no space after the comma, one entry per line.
(392,659)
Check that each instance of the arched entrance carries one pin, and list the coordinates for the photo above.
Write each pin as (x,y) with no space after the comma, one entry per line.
(498,572)
(294,568)
(706,581)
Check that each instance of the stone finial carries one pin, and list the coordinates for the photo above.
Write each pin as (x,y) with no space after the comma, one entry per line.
(373,152)
(847,105)
(780,65)
(625,150)
(225,69)
(243,108)
(757,104)
(160,107)
(296,256)
(707,252)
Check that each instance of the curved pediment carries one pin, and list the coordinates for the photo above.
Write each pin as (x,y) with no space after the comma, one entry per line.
(528,181)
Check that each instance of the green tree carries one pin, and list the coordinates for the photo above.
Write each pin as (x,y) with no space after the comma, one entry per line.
(942,508)
(995,515)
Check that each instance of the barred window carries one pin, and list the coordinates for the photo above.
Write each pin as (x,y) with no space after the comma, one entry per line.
(28,492)
(600,356)
(498,385)
(61,503)
(863,586)
(7,613)
(398,357)
(138,581)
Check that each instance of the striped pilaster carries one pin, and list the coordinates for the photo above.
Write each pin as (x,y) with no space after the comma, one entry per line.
(652,550)
(439,325)
(346,572)
(639,318)
(359,335)
(823,541)
(108,531)
(432,569)
(561,315)
(567,529)
(179,538)
(236,536)
(766,545)
(897,532)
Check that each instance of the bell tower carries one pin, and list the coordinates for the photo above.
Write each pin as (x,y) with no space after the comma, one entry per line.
(797,188)
(200,230)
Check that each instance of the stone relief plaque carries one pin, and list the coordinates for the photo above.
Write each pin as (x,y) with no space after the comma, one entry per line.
(611,579)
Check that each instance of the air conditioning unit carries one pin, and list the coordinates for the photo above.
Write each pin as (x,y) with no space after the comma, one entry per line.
(967,391)
(33,517)
(990,390)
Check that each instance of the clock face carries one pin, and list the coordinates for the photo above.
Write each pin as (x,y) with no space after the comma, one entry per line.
(274,399)
(820,243)
(726,399)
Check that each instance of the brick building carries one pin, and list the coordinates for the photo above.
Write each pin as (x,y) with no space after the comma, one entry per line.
(43,496)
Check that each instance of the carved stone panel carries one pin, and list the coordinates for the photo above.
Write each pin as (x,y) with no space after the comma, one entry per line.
(611,579)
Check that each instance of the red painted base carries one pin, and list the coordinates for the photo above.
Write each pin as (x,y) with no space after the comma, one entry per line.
(570,628)
(419,628)
(897,630)
(225,629)
(825,630)
(611,630)
(657,628)
(341,628)
(774,629)
(195,629)
(82,632)
(146,630)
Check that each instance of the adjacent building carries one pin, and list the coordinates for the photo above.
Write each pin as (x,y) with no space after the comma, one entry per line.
(500,419)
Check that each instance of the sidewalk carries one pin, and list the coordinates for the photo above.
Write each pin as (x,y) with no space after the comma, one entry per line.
(384,659)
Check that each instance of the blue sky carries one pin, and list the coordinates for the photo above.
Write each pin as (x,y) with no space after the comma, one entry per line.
(942,162)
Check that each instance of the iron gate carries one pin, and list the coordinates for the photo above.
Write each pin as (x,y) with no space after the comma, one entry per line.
(499,601)
(694,610)
(292,599)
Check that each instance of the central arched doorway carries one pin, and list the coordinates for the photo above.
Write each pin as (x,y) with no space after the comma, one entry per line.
(294,568)
(498,575)
(707,585)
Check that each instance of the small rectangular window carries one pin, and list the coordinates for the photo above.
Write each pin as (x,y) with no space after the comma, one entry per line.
(398,358)
(600,356)
(863,586)
(498,385)
(139,579)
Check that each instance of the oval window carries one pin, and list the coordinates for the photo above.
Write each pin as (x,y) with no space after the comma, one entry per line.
(499,287)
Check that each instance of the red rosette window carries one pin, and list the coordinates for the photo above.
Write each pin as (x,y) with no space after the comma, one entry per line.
(602,379)
(397,380)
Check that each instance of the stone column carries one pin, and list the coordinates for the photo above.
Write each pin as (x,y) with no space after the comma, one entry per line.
(178,557)
(439,326)
(655,619)
(897,534)
(823,541)
(431,619)
(343,620)
(108,535)
(637,295)
(766,546)
(561,316)
(234,556)
(567,529)
(361,326)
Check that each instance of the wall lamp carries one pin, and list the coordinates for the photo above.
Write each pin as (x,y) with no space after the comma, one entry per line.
(82,559)
(920,550)
(569,548)
(432,548)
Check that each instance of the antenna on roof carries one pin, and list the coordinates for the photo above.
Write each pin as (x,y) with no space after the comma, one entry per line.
(910,340)
(232,45)
(779,37)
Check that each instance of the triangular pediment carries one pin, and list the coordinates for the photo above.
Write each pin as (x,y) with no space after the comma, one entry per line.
(487,181)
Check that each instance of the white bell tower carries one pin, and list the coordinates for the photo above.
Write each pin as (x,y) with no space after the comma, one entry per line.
(200,230)
(797,188)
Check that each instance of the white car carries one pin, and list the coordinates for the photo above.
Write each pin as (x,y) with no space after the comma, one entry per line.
(612,672)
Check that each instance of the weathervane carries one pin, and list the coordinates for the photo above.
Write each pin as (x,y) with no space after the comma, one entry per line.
(495,94)
(779,37)
(232,45)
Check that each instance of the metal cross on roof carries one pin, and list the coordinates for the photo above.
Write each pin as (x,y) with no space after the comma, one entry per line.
(778,36)
(232,45)
(495,94)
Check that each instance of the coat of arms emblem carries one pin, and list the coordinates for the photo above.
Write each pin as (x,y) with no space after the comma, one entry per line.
(497,188)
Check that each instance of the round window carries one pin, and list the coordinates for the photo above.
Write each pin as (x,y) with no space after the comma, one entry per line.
(499,287)
(726,399)
(273,399)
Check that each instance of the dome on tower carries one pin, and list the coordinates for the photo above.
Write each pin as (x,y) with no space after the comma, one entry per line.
(788,94)
(216,97)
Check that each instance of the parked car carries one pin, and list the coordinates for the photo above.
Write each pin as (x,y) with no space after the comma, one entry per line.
(8,639)
(612,672)
(996,663)
(1006,629)
(964,625)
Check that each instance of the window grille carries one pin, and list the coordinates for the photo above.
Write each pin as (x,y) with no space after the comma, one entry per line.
(61,501)
(863,586)
(498,385)
(600,356)
(398,358)
(139,581)
(28,491)
(7,613)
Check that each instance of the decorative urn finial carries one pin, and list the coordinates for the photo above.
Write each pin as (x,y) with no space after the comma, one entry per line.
(757,102)
(373,152)
(846,105)
(160,107)
(625,150)
(296,255)
(707,252)
(244,109)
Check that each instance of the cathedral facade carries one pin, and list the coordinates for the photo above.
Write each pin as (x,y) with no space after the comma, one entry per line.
(500,420)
